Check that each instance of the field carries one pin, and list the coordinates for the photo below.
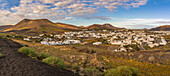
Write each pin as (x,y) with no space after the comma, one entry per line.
(149,62)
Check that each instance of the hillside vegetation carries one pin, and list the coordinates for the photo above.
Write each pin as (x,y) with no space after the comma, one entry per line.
(149,63)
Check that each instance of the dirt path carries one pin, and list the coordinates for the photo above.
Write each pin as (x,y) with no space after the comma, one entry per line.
(16,64)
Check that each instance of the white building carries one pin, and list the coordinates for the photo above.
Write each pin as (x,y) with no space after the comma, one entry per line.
(45,42)
(97,43)
(26,39)
(52,43)
(116,42)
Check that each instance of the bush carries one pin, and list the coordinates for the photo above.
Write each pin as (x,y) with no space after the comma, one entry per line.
(5,37)
(123,71)
(42,56)
(75,67)
(54,61)
(92,72)
(28,51)
(1,55)
(133,46)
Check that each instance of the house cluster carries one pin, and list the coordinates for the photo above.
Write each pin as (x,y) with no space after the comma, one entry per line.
(117,37)
(29,38)
(139,38)
(66,42)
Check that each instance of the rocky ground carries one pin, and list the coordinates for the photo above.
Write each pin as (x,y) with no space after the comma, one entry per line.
(14,63)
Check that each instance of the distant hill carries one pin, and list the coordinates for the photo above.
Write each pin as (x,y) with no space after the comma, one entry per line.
(68,26)
(104,26)
(161,28)
(38,26)
(4,27)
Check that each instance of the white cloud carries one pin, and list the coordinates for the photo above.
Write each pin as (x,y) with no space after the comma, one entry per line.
(60,9)
(26,1)
(49,1)
(141,23)
(63,3)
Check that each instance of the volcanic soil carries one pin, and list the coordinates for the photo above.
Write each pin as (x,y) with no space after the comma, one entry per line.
(14,63)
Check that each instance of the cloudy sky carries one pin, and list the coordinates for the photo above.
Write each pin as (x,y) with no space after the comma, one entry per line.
(133,14)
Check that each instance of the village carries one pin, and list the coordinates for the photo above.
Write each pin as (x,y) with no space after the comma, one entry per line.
(127,40)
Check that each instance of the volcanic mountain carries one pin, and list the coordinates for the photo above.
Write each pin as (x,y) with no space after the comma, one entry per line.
(104,26)
(5,27)
(161,28)
(37,26)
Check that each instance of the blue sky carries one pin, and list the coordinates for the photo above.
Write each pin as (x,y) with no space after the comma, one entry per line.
(134,14)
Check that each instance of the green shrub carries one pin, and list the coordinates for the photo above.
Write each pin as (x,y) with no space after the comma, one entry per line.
(54,61)
(28,51)
(1,55)
(76,67)
(5,37)
(42,56)
(123,71)
(92,72)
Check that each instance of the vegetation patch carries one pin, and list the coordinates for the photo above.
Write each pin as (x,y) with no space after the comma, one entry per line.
(42,55)
(1,55)
(54,61)
(92,72)
(123,71)
(28,51)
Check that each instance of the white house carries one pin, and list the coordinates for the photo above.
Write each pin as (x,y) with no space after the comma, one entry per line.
(151,45)
(116,42)
(59,43)
(72,41)
(163,42)
(26,39)
(97,43)
(45,42)
(52,43)
(77,41)
(121,49)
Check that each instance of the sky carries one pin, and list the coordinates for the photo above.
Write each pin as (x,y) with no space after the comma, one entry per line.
(132,14)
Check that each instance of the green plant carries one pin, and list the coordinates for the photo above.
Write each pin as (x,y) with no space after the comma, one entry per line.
(43,55)
(5,37)
(92,72)
(1,55)
(133,46)
(75,67)
(54,61)
(123,71)
(28,51)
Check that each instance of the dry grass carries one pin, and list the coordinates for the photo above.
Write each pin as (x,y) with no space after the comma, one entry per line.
(71,56)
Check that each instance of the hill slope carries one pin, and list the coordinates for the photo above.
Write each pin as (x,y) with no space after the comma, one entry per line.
(68,26)
(37,26)
(104,26)
(161,28)
(16,64)
(5,27)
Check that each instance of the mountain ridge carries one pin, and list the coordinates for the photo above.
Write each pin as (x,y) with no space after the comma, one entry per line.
(161,28)
(38,26)
(104,26)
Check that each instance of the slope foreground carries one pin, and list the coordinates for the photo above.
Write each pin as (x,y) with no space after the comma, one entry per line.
(16,64)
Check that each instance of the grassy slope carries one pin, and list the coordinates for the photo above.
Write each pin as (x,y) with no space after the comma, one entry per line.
(67,53)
